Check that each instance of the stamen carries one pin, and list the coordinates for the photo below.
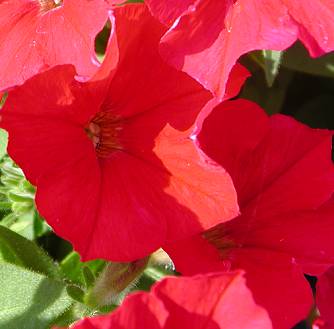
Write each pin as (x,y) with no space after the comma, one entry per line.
(96,139)
(94,128)
(103,131)
(47,5)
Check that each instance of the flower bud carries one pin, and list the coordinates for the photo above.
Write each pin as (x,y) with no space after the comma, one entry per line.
(115,279)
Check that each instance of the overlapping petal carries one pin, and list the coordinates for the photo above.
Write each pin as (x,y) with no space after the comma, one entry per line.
(277,284)
(207,37)
(325,296)
(219,300)
(35,35)
(153,184)
(320,323)
(283,175)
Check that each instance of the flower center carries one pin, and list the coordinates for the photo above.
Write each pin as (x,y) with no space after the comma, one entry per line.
(47,5)
(103,130)
(93,131)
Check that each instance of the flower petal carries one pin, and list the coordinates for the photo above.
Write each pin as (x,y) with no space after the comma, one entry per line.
(206,38)
(48,128)
(194,255)
(68,198)
(315,24)
(167,11)
(129,224)
(32,41)
(292,159)
(139,310)
(325,295)
(277,284)
(219,300)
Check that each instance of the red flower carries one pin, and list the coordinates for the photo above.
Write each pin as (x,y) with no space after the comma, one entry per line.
(284,177)
(206,37)
(219,300)
(325,297)
(116,167)
(35,35)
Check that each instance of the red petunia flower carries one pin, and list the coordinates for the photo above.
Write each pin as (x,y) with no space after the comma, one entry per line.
(206,37)
(35,35)
(325,297)
(115,162)
(220,300)
(284,177)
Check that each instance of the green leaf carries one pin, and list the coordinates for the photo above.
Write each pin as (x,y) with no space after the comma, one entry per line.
(270,61)
(18,198)
(88,276)
(3,96)
(155,273)
(132,1)
(67,318)
(71,267)
(18,250)
(297,58)
(23,223)
(40,226)
(29,300)
(8,220)
(3,142)
(76,293)
(5,205)
(11,170)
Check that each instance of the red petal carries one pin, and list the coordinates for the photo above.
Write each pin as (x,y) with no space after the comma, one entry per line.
(128,212)
(325,295)
(292,159)
(314,19)
(99,210)
(217,300)
(320,323)
(137,311)
(45,120)
(277,284)
(268,273)
(194,255)
(292,233)
(197,183)
(140,310)
(167,11)
(211,301)
(68,198)
(32,41)
(206,39)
